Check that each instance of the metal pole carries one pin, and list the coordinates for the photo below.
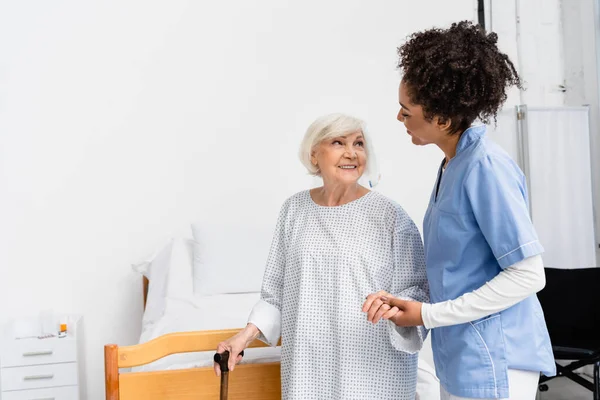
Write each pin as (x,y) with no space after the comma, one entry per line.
(523,147)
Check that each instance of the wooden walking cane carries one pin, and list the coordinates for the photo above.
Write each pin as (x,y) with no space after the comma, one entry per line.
(222,359)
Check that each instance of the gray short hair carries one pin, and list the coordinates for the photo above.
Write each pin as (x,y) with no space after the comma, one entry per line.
(326,127)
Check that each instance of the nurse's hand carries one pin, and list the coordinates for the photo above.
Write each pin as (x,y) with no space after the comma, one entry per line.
(409,313)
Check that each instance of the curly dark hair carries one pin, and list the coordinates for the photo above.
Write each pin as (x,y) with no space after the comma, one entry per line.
(457,74)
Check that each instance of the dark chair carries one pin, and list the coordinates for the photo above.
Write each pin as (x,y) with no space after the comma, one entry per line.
(571,304)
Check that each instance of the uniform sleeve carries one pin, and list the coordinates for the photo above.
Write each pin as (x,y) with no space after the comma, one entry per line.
(409,282)
(510,286)
(497,194)
(266,314)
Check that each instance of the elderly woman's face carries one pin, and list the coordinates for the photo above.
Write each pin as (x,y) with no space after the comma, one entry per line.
(342,159)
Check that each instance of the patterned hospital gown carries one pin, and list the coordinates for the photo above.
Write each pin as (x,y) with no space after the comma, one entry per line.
(323,262)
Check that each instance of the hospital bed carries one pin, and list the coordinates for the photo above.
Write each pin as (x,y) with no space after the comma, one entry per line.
(250,381)
(173,359)
(179,365)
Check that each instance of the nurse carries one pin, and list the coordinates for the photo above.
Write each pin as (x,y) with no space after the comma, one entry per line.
(484,267)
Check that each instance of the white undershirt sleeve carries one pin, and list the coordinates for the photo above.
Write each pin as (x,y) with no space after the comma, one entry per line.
(510,286)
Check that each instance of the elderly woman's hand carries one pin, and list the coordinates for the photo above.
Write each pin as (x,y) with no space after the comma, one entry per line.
(235,345)
(382,305)
(376,309)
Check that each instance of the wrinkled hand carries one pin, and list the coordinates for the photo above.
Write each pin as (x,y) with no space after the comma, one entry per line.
(376,309)
(235,345)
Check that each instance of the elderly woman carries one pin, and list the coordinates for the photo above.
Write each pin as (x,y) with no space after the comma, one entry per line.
(334,245)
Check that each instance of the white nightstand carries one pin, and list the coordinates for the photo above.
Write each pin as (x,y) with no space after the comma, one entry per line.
(43,369)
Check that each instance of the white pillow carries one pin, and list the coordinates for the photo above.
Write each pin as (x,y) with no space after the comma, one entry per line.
(180,277)
(230,257)
(169,271)
(156,269)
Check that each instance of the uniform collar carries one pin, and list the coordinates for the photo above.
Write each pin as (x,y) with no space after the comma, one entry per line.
(470,136)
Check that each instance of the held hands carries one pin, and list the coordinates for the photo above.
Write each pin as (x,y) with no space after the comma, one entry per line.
(235,345)
(382,305)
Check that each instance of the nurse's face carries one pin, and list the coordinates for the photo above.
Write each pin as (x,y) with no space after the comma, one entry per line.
(421,130)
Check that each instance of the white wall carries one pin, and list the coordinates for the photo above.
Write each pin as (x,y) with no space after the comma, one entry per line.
(123,121)
(501,19)
(530,33)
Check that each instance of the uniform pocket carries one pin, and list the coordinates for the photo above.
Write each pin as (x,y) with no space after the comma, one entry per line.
(477,354)
(488,339)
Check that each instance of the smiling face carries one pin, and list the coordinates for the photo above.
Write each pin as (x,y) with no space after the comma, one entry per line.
(421,130)
(342,159)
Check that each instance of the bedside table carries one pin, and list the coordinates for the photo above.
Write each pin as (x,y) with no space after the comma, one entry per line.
(43,369)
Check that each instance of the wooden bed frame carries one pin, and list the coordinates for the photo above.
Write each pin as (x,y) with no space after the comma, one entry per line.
(249,381)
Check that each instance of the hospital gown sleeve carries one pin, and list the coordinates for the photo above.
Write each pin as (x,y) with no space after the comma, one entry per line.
(266,314)
(497,192)
(409,281)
